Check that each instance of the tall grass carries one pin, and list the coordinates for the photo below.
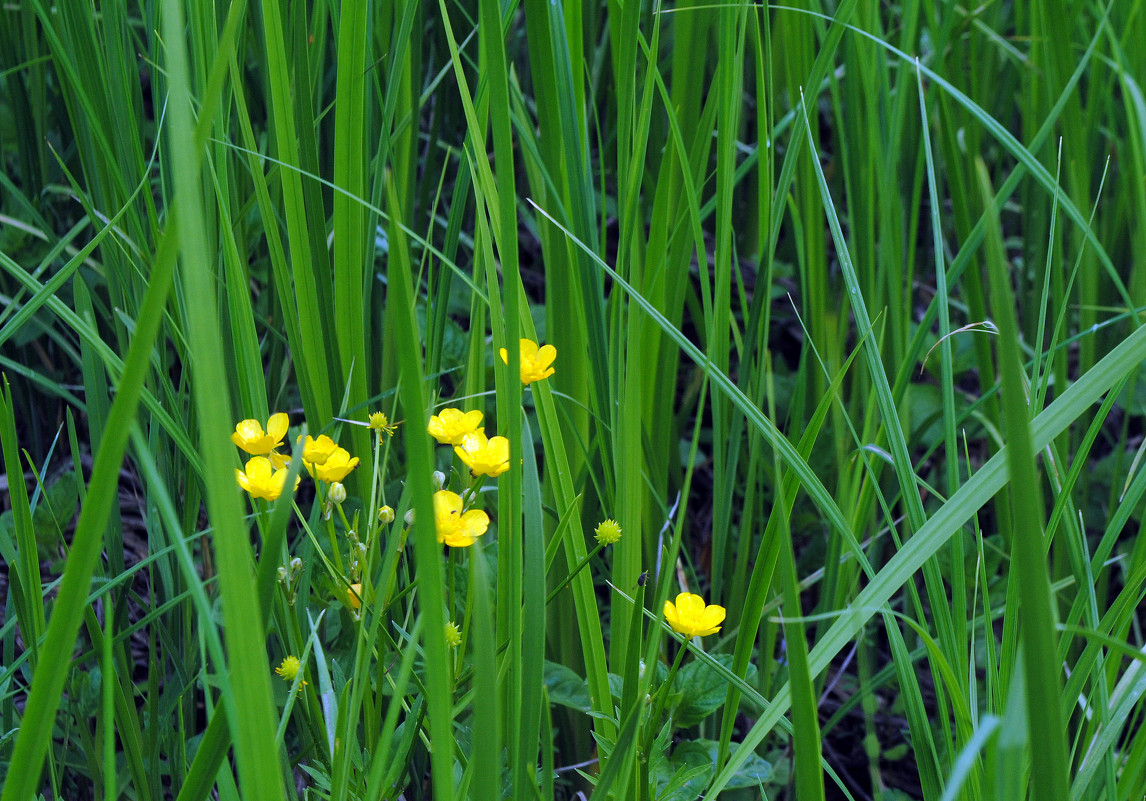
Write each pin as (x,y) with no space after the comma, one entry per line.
(845,301)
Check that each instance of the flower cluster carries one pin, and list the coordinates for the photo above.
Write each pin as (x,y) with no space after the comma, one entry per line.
(484,456)
(459,519)
(265,474)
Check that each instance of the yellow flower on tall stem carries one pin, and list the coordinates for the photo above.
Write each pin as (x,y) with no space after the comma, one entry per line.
(450,426)
(484,457)
(455,528)
(692,618)
(261,480)
(689,616)
(249,434)
(535,361)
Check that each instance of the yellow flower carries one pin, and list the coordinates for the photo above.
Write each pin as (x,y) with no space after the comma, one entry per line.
(380,423)
(289,669)
(608,532)
(453,635)
(484,457)
(336,467)
(449,426)
(690,617)
(250,437)
(455,529)
(261,480)
(535,361)
(354,595)
(317,451)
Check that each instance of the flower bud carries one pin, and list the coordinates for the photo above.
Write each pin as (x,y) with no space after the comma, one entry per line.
(608,532)
(439,480)
(453,635)
(409,518)
(337,492)
(386,515)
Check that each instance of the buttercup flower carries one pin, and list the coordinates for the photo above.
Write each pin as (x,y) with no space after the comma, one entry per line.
(690,617)
(354,595)
(317,451)
(484,457)
(535,361)
(453,635)
(249,434)
(381,423)
(261,480)
(289,669)
(455,529)
(336,467)
(608,532)
(449,426)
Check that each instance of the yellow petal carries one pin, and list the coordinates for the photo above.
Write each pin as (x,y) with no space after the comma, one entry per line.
(277,425)
(546,356)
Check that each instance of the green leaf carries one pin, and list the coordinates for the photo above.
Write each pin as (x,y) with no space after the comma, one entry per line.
(687,782)
(702,690)
(753,773)
(566,688)
(54,513)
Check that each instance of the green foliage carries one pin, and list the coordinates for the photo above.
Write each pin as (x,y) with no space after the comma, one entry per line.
(845,300)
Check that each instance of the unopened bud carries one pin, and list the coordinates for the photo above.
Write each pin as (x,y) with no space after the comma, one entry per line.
(439,480)
(337,492)
(386,515)
(608,532)
(409,518)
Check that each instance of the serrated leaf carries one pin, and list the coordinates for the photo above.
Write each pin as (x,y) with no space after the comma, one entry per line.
(686,784)
(566,687)
(702,690)
(753,773)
